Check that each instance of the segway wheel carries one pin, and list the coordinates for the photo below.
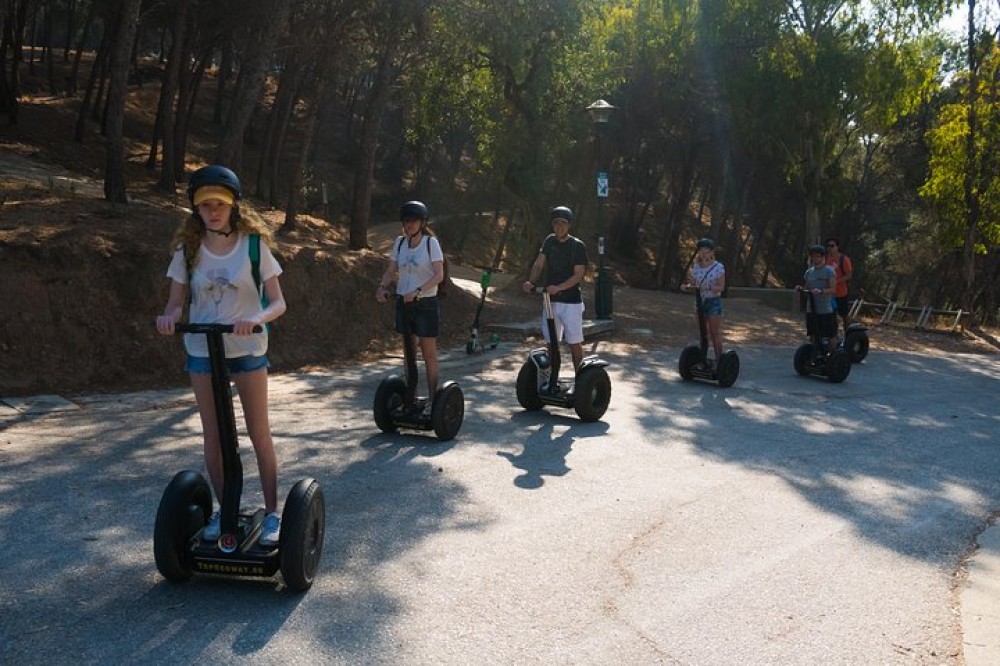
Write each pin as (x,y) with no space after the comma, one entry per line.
(448,411)
(803,357)
(728,369)
(184,509)
(690,357)
(303,526)
(856,345)
(388,397)
(527,387)
(592,395)
(838,366)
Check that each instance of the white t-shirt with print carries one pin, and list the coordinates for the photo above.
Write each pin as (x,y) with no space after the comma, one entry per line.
(416,264)
(223,292)
(708,278)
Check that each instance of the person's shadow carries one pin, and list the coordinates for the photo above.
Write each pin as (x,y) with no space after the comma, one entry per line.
(544,455)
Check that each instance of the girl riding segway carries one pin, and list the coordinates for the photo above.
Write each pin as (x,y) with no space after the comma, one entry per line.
(212,268)
(707,278)
(416,265)
(221,259)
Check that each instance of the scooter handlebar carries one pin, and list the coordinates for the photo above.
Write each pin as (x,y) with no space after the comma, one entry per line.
(209,328)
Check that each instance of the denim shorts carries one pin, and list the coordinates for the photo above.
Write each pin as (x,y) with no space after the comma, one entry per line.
(423,316)
(711,307)
(235,366)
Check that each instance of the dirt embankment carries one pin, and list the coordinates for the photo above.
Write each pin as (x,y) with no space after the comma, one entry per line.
(84,281)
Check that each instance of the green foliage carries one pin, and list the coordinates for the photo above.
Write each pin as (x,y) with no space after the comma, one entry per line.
(945,188)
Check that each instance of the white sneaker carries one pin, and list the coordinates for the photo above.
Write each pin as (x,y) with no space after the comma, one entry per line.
(271,532)
(213,529)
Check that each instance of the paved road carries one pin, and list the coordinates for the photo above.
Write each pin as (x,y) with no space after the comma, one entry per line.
(784,520)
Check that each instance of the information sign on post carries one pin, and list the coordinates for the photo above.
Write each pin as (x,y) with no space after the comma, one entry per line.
(602,184)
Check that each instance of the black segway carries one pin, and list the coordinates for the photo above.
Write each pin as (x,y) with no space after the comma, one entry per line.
(695,364)
(812,358)
(538,382)
(475,345)
(397,405)
(187,504)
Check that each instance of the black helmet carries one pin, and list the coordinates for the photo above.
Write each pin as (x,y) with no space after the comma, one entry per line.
(214,175)
(561,213)
(706,242)
(411,210)
(817,249)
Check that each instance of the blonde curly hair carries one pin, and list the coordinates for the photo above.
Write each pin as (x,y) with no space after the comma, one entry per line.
(191,231)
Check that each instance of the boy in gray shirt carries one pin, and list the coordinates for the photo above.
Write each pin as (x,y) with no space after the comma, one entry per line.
(820,281)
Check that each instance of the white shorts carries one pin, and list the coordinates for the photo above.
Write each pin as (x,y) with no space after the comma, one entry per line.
(569,322)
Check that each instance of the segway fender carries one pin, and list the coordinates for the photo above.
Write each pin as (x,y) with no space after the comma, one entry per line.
(540,357)
(592,361)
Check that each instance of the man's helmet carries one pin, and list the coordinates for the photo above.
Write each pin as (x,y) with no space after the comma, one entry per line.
(413,210)
(817,249)
(561,213)
(216,175)
(706,242)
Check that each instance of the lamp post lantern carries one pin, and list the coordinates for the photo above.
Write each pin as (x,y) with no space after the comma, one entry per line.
(600,112)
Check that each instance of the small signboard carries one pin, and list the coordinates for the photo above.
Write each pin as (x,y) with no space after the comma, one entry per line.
(602,184)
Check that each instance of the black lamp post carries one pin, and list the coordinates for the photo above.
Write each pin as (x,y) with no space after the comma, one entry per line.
(600,113)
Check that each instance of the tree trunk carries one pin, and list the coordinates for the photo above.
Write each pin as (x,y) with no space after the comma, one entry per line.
(305,154)
(269,164)
(50,71)
(165,112)
(253,70)
(88,92)
(189,84)
(71,83)
(17,18)
(667,252)
(365,174)
(225,71)
(70,27)
(121,51)
(972,203)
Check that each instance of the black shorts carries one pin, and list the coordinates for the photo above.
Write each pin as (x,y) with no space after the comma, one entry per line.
(422,316)
(827,324)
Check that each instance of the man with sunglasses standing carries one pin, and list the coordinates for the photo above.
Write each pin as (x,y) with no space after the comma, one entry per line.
(841,264)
